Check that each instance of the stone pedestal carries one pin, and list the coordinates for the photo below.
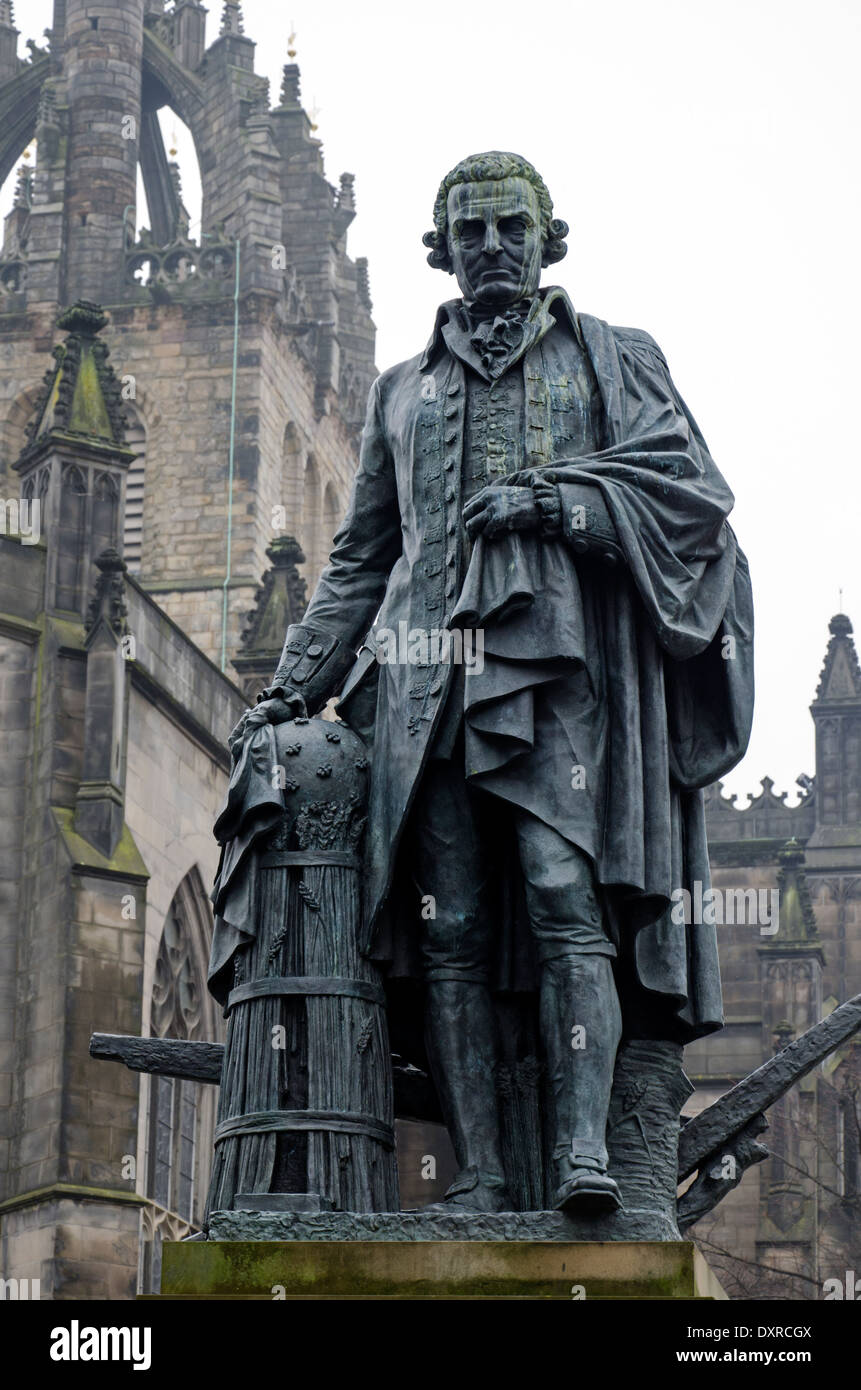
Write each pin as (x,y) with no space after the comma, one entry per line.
(515,1255)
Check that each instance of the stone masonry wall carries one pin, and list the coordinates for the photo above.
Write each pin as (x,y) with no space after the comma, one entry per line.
(180,357)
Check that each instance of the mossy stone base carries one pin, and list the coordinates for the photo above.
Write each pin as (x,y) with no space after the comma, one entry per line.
(445,1269)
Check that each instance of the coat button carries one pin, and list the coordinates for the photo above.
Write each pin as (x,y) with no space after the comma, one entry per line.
(448,465)
(451,437)
(451,528)
(449,588)
(449,559)
(450,412)
(314,650)
(449,494)
(435,688)
(454,388)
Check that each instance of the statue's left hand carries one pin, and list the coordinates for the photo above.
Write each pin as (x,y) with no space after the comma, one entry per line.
(497,509)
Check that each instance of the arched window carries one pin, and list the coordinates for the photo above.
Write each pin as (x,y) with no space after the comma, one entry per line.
(135,481)
(105,516)
(20,413)
(70,538)
(292,480)
(180,1114)
(168,186)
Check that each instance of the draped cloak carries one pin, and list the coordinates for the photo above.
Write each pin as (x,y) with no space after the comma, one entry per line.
(646,668)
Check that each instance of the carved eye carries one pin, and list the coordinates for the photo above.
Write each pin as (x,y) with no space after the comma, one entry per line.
(471,233)
(514,227)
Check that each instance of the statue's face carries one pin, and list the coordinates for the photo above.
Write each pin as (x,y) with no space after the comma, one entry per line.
(495,240)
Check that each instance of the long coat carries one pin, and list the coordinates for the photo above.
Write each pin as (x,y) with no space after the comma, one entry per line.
(667,636)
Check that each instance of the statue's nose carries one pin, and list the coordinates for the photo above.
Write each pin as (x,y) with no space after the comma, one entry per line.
(491,245)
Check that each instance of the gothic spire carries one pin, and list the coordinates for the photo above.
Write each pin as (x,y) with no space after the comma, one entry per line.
(290,88)
(841,673)
(81,396)
(231,18)
(797,917)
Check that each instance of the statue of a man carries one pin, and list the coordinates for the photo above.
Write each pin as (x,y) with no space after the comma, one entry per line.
(533,474)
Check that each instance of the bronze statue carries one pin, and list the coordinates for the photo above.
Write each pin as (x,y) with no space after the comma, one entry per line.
(532,476)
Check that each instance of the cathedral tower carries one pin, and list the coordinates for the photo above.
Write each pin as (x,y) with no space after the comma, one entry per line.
(179,416)
(246,342)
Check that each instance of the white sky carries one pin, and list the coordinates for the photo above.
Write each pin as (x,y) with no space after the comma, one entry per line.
(705,153)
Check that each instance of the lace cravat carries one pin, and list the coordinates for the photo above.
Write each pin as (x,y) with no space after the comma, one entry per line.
(495,339)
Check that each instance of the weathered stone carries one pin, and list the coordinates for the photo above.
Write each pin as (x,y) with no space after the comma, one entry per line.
(418,1267)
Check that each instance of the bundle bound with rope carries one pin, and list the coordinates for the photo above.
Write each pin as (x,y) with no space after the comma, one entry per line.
(306,1089)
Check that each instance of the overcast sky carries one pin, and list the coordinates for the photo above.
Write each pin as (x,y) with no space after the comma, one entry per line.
(705,154)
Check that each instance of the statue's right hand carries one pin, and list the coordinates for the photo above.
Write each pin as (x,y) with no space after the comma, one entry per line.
(276,710)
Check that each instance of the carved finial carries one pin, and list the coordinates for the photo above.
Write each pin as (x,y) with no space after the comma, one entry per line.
(290,93)
(285,551)
(783,1034)
(346,193)
(24,187)
(110,561)
(363,282)
(231,19)
(792,853)
(7,18)
(84,318)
